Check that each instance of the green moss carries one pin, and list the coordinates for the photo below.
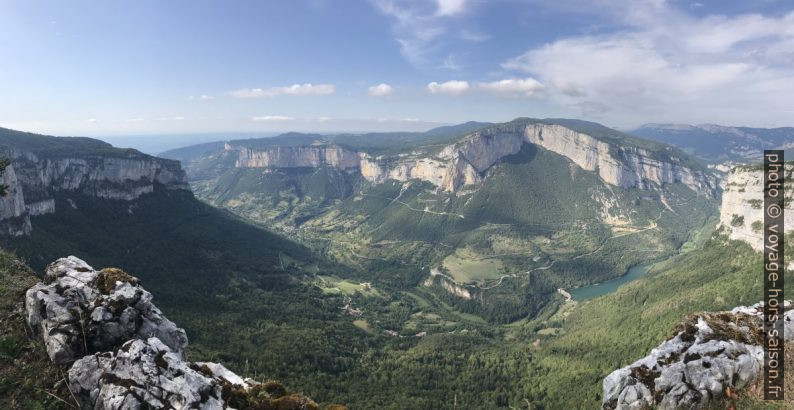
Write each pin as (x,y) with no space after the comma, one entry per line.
(108,277)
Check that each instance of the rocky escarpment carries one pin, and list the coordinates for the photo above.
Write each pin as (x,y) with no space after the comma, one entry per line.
(14,218)
(463,163)
(710,353)
(741,212)
(35,178)
(122,353)
(295,157)
(625,166)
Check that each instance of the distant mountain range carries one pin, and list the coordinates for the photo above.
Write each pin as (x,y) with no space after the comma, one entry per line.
(718,143)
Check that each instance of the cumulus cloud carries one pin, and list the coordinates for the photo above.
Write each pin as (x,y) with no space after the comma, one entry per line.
(266,118)
(513,86)
(380,90)
(454,87)
(203,97)
(717,68)
(294,89)
(92,120)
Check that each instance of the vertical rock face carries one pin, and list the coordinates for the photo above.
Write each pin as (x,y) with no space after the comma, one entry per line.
(295,157)
(44,207)
(464,162)
(108,177)
(627,167)
(14,220)
(119,175)
(741,212)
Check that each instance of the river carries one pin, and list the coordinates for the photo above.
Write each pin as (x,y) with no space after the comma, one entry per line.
(593,291)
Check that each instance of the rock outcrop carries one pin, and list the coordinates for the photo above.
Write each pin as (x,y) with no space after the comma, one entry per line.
(741,212)
(710,353)
(123,353)
(464,162)
(82,311)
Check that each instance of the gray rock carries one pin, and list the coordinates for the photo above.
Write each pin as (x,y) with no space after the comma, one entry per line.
(711,352)
(80,312)
(148,374)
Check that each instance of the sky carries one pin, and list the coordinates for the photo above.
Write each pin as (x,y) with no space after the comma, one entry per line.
(101,68)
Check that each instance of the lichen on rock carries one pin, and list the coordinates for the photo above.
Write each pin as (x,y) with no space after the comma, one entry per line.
(710,352)
(82,311)
(123,353)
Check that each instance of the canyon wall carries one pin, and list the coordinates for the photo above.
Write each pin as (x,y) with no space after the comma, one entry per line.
(463,163)
(741,212)
(33,180)
(295,157)
(623,166)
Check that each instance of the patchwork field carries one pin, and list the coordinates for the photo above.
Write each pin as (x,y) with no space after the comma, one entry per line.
(467,267)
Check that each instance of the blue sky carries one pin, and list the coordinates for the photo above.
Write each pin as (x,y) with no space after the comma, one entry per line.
(157,67)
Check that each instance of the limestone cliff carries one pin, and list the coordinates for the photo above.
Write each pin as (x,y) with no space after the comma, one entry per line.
(124,175)
(464,162)
(294,157)
(741,212)
(35,176)
(14,218)
(625,166)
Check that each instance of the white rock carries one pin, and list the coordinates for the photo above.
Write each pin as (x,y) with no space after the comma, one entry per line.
(76,318)
(697,364)
(148,374)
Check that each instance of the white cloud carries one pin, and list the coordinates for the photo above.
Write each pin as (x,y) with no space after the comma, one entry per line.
(380,90)
(294,89)
(672,65)
(92,120)
(266,118)
(513,86)
(451,63)
(450,7)
(134,120)
(453,87)
(422,28)
(475,36)
(401,120)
